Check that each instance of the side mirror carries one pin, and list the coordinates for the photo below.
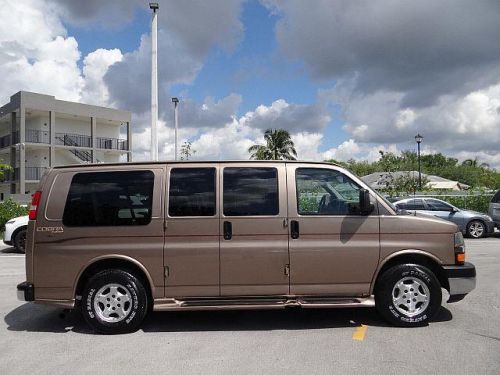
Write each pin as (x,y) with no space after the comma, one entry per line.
(365,206)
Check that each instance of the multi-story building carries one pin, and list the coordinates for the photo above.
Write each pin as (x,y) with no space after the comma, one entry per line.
(38,132)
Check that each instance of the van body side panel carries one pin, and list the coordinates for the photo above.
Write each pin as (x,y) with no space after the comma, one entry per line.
(408,232)
(191,253)
(62,253)
(254,260)
(333,255)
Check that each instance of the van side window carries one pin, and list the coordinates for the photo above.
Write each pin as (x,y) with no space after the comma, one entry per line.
(191,192)
(250,191)
(325,192)
(109,199)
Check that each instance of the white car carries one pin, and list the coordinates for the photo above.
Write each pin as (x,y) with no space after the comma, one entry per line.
(15,233)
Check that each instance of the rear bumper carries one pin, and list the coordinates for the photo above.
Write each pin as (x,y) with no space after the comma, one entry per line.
(26,291)
(461,279)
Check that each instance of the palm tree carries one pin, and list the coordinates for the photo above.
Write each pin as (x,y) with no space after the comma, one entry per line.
(475,163)
(279,146)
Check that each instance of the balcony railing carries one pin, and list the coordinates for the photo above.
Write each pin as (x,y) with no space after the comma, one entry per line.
(31,174)
(112,143)
(65,139)
(37,136)
(77,140)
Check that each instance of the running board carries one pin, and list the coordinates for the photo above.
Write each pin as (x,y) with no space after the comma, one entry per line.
(254,303)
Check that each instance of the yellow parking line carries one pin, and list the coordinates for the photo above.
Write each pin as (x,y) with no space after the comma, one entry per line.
(359,333)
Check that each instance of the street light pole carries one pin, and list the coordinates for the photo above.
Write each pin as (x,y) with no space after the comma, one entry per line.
(176,121)
(419,139)
(154,81)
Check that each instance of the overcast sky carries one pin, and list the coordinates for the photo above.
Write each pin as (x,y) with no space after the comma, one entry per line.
(346,78)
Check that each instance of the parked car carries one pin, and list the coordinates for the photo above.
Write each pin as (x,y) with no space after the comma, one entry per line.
(118,240)
(473,224)
(15,233)
(494,209)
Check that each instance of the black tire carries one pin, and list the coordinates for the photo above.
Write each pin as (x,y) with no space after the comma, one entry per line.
(423,282)
(473,228)
(128,315)
(19,240)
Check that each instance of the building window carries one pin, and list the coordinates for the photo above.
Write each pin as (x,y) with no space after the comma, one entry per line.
(109,199)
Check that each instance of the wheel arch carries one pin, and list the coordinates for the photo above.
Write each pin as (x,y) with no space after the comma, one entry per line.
(16,231)
(412,257)
(113,261)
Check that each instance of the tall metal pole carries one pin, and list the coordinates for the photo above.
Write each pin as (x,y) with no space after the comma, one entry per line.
(419,139)
(419,169)
(154,82)
(176,121)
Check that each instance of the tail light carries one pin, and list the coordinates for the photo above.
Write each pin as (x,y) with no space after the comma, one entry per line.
(35,200)
(459,248)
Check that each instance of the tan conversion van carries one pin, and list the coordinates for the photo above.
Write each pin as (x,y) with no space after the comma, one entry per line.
(119,240)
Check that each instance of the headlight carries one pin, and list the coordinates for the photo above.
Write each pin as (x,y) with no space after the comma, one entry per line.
(459,248)
(10,222)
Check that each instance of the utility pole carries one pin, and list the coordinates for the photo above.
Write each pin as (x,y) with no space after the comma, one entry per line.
(176,121)
(154,81)
(419,139)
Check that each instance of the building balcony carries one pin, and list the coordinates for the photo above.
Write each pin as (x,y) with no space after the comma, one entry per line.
(65,139)
(31,174)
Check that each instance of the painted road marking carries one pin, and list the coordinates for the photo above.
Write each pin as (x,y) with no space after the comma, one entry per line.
(359,333)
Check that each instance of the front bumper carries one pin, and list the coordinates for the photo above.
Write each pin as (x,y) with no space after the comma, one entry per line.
(490,227)
(461,279)
(26,291)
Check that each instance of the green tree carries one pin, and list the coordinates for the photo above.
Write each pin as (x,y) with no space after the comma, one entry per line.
(279,146)
(187,151)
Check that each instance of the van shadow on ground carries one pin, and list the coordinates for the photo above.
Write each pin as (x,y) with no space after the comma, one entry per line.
(39,318)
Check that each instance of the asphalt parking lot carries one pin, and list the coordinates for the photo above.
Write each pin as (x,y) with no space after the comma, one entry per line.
(463,339)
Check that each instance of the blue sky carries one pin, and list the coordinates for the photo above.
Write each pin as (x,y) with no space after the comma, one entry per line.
(256,69)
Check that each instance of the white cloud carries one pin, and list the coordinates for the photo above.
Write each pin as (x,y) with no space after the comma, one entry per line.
(35,53)
(95,66)
(289,116)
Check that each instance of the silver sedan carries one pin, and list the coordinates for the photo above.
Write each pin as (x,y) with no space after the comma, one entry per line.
(471,223)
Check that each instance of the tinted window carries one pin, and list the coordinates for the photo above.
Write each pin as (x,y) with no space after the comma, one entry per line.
(414,204)
(496,198)
(250,191)
(109,199)
(437,205)
(192,192)
(325,192)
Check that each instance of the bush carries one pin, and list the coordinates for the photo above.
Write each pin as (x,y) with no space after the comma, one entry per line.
(473,202)
(9,210)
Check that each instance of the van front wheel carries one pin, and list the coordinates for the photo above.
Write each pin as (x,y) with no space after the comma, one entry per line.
(114,301)
(408,295)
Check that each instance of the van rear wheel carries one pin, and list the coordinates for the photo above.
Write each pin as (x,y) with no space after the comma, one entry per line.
(114,301)
(408,295)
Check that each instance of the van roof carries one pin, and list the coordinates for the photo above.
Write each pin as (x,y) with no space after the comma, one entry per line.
(191,162)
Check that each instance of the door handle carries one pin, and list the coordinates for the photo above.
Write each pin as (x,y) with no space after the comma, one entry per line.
(294,229)
(228,230)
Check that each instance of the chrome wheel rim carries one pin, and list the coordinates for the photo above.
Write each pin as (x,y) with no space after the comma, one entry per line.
(476,229)
(112,303)
(410,296)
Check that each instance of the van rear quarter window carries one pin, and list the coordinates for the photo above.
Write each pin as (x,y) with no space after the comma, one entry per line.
(109,199)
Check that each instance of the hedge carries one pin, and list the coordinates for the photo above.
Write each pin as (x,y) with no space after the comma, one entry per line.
(9,210)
